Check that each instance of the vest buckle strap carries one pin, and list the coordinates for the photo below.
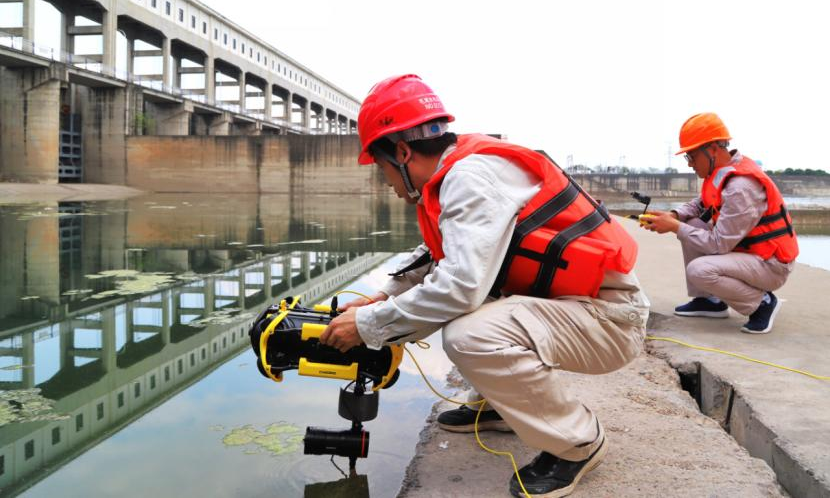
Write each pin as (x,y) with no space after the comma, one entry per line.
(556,247)
(755,239)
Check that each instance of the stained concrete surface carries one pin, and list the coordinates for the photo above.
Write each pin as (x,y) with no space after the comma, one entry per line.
(661,444)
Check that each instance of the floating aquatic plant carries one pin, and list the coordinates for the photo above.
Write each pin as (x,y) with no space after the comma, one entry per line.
(226,315)
(278,439)
(129,282)
(26,405)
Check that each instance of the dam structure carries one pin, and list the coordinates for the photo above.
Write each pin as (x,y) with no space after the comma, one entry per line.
(66,116)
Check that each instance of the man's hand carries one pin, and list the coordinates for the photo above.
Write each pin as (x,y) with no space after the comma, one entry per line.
(661,222)
(342,332)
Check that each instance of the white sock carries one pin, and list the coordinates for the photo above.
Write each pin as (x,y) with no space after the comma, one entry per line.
(766,299)
(714,300)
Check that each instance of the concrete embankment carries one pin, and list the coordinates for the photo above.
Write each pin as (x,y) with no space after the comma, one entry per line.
(761,428)
(18,193)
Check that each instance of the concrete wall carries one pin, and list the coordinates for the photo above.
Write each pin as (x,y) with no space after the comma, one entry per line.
(29,125)
(236,164)
(651,183)
(803,185)
(668,185)
(108,116)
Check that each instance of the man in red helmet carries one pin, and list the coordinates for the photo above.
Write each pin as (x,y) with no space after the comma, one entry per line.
(522,271)
(737,237)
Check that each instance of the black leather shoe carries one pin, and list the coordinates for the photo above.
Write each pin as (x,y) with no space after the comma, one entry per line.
(548,476)
(463,420)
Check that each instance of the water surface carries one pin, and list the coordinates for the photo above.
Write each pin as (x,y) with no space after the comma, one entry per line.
(124,357)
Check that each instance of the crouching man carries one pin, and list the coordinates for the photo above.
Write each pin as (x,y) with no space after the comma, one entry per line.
(523,271)
(737,237)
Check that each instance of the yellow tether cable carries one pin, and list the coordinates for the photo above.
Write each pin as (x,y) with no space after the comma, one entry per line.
(480,403)
(737,355)
(364,296)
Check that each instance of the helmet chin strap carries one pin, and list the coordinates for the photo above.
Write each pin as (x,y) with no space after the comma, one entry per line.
(403,169)
(711,159)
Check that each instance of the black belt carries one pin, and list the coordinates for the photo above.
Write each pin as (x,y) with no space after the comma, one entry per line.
(766,220)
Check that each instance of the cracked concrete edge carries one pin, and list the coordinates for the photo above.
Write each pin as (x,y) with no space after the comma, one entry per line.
(723,401)
(412,485)
(751,430)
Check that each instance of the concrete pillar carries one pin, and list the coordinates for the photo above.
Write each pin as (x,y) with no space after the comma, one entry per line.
(307,114)
(29,20)
(40,264)
(66,338)
(130,57)
(210,81)
(289,104)
(305,266)
(325,124)
(130,327)
(177,75)
(108,352)
(29,125)
(166,305)
(269,101)
(109,29)
(210,296)
(242,86)
(169,119)
(165,63)
(28,360)
(67,21)
(266,280)
(220,125)
(241,296)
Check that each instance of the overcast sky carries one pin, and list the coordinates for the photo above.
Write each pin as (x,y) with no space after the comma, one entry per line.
(595,79)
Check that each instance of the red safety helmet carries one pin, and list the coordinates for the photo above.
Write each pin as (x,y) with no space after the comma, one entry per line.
(396,104)
(700,130)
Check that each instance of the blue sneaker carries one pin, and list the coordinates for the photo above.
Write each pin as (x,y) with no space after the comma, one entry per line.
(760,321)
(700,306)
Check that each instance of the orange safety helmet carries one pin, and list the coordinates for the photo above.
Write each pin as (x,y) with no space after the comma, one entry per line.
(701,129)
(396,104)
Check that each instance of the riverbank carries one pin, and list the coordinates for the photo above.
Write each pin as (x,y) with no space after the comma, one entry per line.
(20,193)
(760,426)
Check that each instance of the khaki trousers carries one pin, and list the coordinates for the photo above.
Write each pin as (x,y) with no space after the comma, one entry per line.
(739,279)
(510,351)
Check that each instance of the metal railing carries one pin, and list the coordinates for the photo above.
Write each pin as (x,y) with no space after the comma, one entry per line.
(94,66)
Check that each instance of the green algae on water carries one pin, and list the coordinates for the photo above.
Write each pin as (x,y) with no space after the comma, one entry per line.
(26,405)
(129,282)
(277,439)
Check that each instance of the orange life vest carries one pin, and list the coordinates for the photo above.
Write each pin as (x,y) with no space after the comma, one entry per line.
(774,234)
(564,240)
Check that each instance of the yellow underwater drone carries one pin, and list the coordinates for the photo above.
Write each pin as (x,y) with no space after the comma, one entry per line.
(287,337)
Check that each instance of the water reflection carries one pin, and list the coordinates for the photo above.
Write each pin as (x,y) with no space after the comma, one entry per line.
(109,309)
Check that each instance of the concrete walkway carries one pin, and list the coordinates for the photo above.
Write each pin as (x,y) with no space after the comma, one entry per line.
(779,416)
(19,193)
(661,445)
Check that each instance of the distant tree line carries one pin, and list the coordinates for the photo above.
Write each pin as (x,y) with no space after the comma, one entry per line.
(625,170)
(798,171)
